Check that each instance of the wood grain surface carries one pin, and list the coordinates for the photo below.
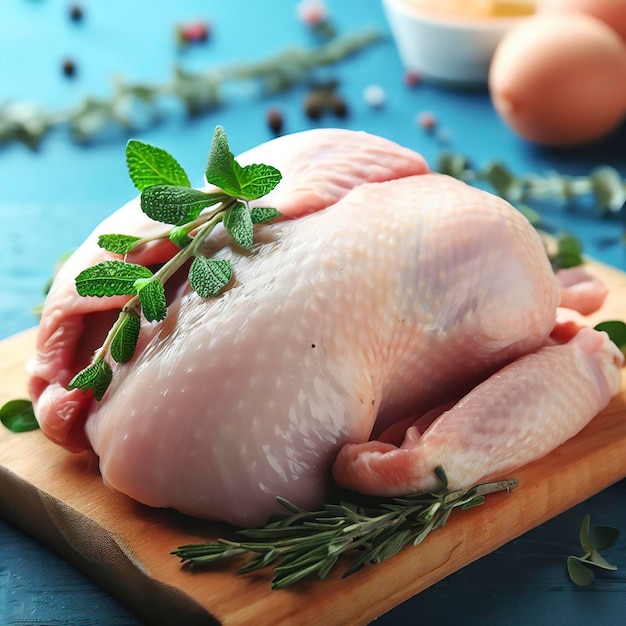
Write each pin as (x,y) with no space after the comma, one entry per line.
(59,498)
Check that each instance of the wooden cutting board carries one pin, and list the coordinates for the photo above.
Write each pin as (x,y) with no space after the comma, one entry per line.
(59,498)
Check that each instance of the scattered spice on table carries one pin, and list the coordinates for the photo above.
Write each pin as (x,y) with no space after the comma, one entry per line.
(76,13)
(69,68)
(193,32)
(411,79)
(323,98)
(275,121)
(199,92)
(427,120)
(374,96)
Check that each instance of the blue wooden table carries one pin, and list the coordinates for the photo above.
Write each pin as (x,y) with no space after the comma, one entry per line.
(51,198)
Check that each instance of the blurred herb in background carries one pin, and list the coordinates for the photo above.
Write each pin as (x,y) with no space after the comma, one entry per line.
(131,103)
(603,187)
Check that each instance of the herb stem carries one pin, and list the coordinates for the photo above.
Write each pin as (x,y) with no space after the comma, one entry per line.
(179,259)
(130,308)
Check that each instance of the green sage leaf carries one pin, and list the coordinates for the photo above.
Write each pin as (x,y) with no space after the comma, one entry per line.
(125,339)
(220,169)
(209,276)
(239,225)
(248,183)
(149,166)
(96,377)
(604,537)
(579,574)
(440,473)
(616,330)
(110,278)
(585,537)
(119,244)
(18,416)
(260,215)
(256,180)
(172,204)
(152,297)
(599,561)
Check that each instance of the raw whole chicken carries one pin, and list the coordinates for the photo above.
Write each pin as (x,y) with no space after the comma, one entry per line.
(399,321)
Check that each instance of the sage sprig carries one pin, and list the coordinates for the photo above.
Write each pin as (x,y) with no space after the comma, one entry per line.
(192,214)
(298,544)
(592,540)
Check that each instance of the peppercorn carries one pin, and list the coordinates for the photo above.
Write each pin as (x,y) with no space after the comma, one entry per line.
(427,120)
(314,104)
(412,78)
(275,121)
(69,68)
(337,105)
(193,32)
(76,13)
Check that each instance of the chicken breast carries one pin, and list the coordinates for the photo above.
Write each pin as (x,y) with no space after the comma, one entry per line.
(392,293)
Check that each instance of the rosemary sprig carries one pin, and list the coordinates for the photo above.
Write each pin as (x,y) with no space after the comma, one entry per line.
(298,544)
(604,184)
(134,104)
(167,196)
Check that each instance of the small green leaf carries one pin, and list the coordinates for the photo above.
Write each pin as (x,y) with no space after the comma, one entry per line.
(441,475)
(604,536)
(149,166)
(96,377)
(152,297)
(477,501)
(616,330)
(239,225)
(175,205)
(220,169)
(599,561)
(209,276)
(179,236)
(455,165)
(248,183)
(110,278)
(125,339)
(260,215)
(568,254)
(502,180)
(18,416)
(578,572)
(585,537)
(119,244)
(256,180)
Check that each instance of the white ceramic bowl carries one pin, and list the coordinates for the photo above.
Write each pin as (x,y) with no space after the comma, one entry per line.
(450,49)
